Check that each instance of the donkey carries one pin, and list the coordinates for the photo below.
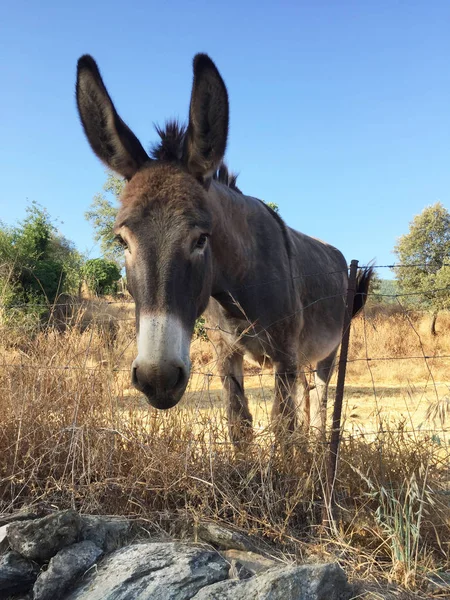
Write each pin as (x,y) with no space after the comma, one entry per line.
(194,243)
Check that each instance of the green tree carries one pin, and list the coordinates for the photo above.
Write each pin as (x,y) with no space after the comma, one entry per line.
(101,275)
(425,251)
(36,263)
(102,215)
(64,251)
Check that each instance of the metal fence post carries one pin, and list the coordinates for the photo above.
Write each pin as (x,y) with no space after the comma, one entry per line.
(327,515)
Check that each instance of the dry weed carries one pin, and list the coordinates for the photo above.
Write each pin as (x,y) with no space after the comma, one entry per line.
(72,433)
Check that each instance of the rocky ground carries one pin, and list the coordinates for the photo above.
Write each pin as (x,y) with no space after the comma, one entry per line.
(67,556)
(71,557)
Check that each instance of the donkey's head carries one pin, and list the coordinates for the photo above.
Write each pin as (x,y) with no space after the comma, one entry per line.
(164,222)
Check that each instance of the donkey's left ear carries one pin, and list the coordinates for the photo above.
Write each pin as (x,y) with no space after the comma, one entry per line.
(207,132)
(110,138)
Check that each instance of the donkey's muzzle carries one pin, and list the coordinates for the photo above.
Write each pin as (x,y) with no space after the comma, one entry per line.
(163,385)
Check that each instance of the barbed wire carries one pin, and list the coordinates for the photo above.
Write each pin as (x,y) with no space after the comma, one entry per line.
(90,303)
(71,321)
(50,305)
(212,375)
(404,294)
(410,266)
(85,303)
(267,432)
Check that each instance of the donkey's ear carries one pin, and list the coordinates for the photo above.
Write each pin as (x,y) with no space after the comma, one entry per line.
(207,132)
(111,140)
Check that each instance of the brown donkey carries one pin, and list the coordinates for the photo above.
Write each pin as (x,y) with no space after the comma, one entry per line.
(194,242)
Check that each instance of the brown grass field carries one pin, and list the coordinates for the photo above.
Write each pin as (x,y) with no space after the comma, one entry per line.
(73,433)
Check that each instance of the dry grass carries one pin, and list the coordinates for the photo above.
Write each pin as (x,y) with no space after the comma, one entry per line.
(72,433)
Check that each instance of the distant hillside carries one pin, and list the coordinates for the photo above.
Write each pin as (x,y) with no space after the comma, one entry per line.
(388,290)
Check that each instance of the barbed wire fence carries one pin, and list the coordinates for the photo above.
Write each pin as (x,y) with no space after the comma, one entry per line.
(337,433)
(69,317)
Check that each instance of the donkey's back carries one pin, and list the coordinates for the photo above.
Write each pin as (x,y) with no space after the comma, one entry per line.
(319,271)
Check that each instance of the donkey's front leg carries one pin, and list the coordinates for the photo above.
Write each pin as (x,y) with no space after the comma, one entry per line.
(239,417)
(284,409)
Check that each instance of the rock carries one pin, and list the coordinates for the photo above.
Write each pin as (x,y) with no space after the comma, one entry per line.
(108,533)
(4,543)
(307,582)
(41,539)
(224,538)
(17,574)
(238,571)
(21,515)
(152,571)
(64,569)
(246,564)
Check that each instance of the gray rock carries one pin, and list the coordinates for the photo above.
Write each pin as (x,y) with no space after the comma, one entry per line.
(246,564)
(307,582)
(4,543)
(24,514)
(64,569)
(17,574)
(108,533)
(152,571)
(41,539)
(224,538)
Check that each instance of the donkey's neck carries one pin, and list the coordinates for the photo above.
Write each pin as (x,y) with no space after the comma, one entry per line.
(232,237)
(248,243)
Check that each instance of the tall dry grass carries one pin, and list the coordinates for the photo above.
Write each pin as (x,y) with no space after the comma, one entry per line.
(72,433)
(403,338)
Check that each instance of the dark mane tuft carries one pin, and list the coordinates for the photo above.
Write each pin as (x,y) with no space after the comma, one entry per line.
(223,175)
(170,149)
(170,146)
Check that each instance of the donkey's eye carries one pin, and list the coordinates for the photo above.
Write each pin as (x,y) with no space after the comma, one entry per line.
(201,242)
(122,242)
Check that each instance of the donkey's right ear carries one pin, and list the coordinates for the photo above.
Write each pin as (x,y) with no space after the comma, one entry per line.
(110,138)
(207,132)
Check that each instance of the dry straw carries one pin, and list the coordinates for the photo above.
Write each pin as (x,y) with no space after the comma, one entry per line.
(73,433)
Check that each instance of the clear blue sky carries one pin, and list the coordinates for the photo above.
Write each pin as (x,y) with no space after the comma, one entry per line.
(340,109)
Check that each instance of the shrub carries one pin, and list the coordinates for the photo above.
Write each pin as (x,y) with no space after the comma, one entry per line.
(101,275)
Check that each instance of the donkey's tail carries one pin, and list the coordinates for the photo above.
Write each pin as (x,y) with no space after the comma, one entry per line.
(363,279)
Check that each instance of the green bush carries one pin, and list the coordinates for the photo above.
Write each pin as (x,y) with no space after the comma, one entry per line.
(36,264)
(101,275)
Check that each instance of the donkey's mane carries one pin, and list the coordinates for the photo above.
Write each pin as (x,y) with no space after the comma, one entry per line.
(170,149)
(170,146)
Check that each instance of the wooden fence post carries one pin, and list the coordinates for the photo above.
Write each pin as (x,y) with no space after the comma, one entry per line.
(328,510)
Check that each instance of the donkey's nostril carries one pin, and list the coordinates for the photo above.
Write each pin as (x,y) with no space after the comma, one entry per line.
(134,379)
(166,379)
(181,378)
(172,377)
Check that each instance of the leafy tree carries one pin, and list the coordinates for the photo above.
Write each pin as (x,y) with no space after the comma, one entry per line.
(36,262)
(64,251)
(102,214)
(101,275)
(425,251)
